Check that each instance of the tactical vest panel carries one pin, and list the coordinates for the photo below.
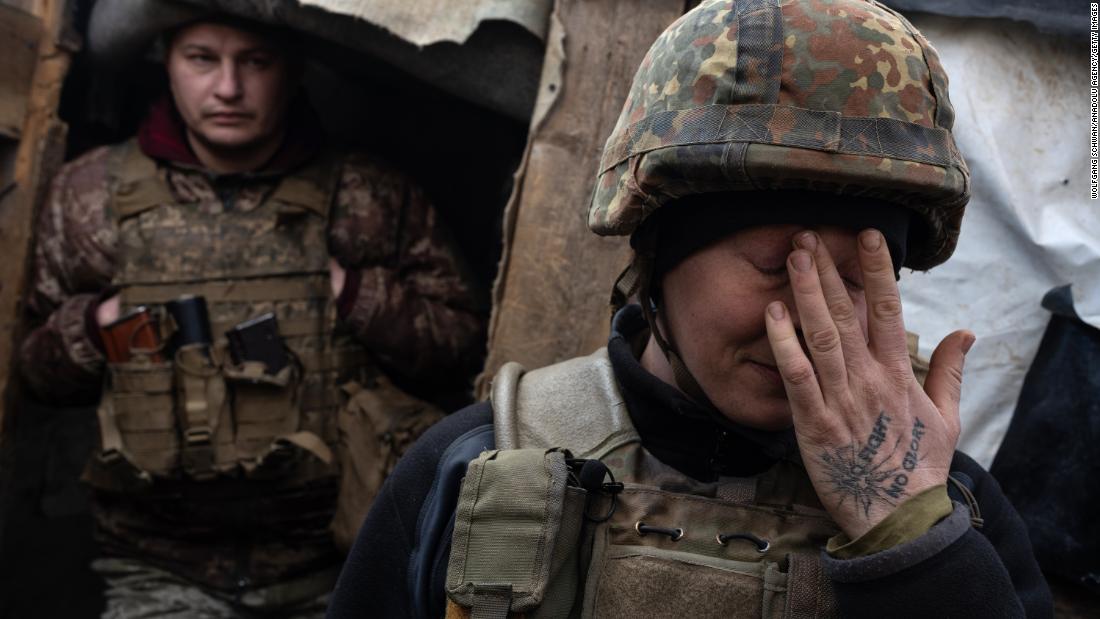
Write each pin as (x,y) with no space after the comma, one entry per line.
(738,547)
(198,415)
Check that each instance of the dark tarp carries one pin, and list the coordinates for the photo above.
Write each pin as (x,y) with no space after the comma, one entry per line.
(1049,463)
(1063,17)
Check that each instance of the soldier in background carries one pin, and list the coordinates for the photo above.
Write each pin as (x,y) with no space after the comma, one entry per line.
(216,481)
(757,439)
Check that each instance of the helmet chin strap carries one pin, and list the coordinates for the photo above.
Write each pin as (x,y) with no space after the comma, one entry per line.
(637,277)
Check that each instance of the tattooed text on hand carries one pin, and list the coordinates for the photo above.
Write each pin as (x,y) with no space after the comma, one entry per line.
(857,472)
(909,462)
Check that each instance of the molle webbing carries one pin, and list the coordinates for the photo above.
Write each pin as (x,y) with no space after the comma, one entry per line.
(308,285)
(626,569)
(201,414)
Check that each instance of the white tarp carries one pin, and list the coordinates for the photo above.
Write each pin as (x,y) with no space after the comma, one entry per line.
(423,22)
(1021,103)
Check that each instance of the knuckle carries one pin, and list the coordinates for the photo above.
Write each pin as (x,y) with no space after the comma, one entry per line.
(887,308)
(842,310)
(823,340)
(797,374)
(900,374)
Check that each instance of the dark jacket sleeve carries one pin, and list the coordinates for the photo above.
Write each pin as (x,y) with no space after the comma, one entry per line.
(954,569)
(60,359)
(408,296)
(375,581)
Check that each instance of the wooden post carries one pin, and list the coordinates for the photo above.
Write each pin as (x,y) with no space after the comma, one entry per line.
(32,33)
(550,301)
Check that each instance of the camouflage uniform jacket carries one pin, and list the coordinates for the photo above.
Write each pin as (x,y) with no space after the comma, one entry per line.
(405,296)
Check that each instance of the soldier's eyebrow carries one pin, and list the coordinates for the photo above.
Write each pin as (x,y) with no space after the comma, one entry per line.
(197,47)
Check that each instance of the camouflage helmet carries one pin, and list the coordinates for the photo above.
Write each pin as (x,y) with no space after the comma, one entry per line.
(843,97)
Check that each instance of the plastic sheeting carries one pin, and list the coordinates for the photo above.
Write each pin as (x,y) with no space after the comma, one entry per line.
(430,21)
(1021,103)
(488,52)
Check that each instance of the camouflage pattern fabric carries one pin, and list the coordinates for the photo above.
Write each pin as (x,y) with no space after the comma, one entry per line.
(836,96)
(410,305)
(416,309)
(136,589)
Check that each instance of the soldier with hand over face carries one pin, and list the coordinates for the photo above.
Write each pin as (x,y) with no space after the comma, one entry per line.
(758,439)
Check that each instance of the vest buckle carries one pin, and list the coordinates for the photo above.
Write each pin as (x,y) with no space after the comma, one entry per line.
(198,453)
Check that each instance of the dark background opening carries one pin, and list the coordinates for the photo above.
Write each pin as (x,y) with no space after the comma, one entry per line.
(462,154)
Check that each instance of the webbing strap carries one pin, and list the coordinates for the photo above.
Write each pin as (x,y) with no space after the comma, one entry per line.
(113,456)
(782,125)
(809,591)
(137,187)
(203,398)
(110,437)
(643,266)
(759,51)
(287,328)
(310,285)
(491,601)
(322,361)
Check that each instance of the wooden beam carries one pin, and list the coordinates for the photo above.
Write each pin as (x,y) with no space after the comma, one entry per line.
(37,157)
(551,294)
(19,35)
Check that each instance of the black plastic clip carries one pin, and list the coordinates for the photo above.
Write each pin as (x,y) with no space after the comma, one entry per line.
(590,474)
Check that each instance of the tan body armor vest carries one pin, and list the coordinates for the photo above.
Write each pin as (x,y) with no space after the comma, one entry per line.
(671,546)
(198,415)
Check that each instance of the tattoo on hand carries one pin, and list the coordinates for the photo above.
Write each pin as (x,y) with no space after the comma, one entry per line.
(857,472)
(909,462)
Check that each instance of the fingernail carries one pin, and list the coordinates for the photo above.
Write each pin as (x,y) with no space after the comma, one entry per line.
(971,338)
(807,241)
(871,239)
(775,308)
(801,260)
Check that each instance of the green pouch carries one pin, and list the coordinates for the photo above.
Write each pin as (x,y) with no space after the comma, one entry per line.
(517,536)
(137,420)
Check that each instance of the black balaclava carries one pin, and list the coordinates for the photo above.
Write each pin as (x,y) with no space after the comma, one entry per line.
(689,224)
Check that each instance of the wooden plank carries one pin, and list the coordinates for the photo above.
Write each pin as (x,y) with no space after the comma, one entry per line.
(551,295)
(19,35)
(38,156)
(32,7)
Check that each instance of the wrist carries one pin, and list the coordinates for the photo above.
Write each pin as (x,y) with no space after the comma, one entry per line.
(349,293)
(908,521)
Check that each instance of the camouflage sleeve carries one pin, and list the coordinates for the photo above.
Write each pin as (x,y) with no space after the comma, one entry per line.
(60,358)
(408,295)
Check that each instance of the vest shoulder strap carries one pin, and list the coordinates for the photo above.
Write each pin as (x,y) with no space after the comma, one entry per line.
(574,404)
(314,186)
(135,186)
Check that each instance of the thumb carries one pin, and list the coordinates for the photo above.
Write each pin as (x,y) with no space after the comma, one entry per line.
(944,382)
